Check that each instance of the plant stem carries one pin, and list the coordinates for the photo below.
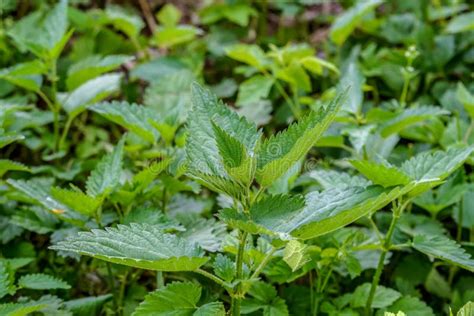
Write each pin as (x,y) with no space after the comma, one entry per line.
(65,131)
(239,264)
(262,264)
(160,280)
(396,213)
(112,285)
(213,278)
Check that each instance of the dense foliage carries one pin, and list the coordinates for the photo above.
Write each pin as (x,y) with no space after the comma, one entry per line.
(335,177)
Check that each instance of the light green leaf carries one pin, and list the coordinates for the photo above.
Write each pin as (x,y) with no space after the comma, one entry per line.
(8,138)
(90,92)
(131,116)
(412,306)
(354,80)
(91,67)
(383,296)
(461,23)
(263,296)
(295,75)
(316,65)
(20,309)
(295,254)
(445,249)
(6,280)
(254,89)
(349,20)
(106,175)
(278,153)
(41,281)
(77,200)
(436,165)
(169,15)
(138,245)
(175,35)
(381,174)
(123,20)
(252,55)
(178,299)
(466,310)
(410,117)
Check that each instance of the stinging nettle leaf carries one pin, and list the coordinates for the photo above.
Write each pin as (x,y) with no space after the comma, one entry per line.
(77,200)
(443,248)
(138,245)
(41,281)
(295,254)
(106,175)
(278,153)
(381,174)
(131,116)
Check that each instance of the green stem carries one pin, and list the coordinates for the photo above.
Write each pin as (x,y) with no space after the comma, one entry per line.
(160,280)
(403,96)
(239,264)
(262,264)
(397,211)
(112,285)
(213,278)
(65,131)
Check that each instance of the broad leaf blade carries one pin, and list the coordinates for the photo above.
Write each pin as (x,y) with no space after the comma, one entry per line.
(445,249)
(384,175)
(280,152)
(42,282)
(138,245)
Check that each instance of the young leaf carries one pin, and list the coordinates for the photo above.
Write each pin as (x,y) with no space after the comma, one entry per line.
(86,306)
(26,75)
(461,23)
(445,249)
(9,165)
(177,298)
(334,179)
(106,175)
(20,309)
(138,245)
(77,200)
(466,98)
(254,89)
(348,21)
(411,306)
(381,174)
(6,280)
(252,55)
(264,297)
(278,153)
(42,282)
(131,116)
(295,254)
(204,161)
(224,267)
(90,92)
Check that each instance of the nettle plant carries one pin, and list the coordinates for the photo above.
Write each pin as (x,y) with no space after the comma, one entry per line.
(230,156)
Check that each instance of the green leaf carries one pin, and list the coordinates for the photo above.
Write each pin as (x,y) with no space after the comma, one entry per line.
(25,75)
(42,33)
(264,297)
(90,92)
(410,117)
(106,175)
(349,20)
(20,309)
(445,249)
(412,306)
(238,164)
(252,55)
(6,280)
(133,117)
(436,165)
(86,306)
(77,200)
(381,174)
(466,98)
(254,89)
(466,310)
(180,299)
(169,15)
(172,36)
(138,245)
(224,267)
(461,23)
(383,296)
(204,161)
(335,179)
(316,65)
(91,67)
(295,75)
(9,165)
(42,282)
(123,20)
(354,80)
(295,254)
(8,138)
(278,153)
